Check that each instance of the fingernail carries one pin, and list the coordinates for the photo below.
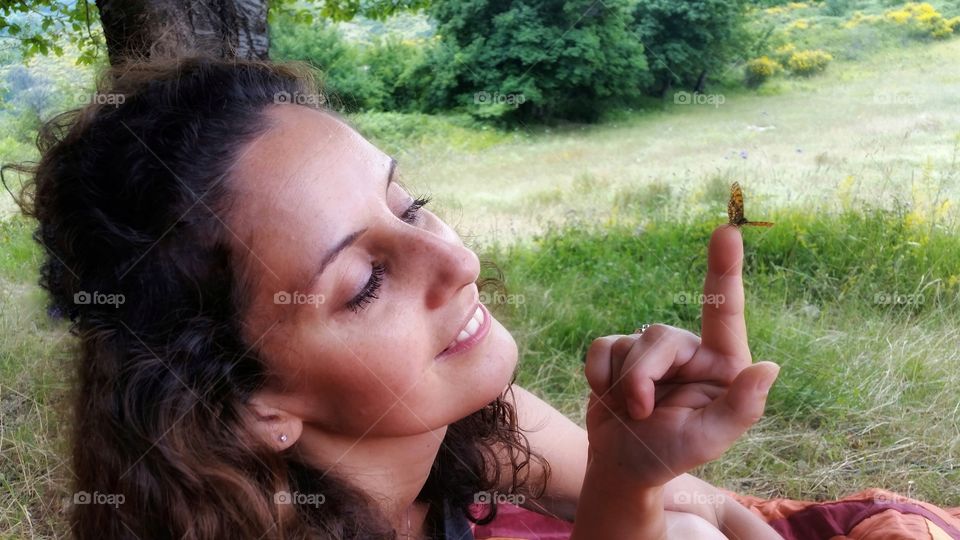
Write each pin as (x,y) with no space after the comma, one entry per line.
(764,385)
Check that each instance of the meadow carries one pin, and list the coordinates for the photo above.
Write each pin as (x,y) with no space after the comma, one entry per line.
(599,228)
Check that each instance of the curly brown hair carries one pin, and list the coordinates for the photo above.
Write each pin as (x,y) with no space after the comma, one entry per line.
(127,194)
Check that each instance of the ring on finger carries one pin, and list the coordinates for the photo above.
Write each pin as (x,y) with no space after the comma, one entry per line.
(643,328)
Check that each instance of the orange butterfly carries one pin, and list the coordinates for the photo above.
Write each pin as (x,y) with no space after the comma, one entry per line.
(735,209)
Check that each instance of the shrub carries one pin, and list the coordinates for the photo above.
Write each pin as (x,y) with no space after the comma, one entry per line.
(923,20)
(760,69)
(859,18)
(396,66)
(807,63)
(783,53)
(346,83)
(524,61)
(686,40)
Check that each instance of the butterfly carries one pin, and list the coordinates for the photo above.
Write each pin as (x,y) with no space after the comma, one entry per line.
(735,209)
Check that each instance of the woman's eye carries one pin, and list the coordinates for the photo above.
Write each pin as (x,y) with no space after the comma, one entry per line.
(410,214)
(369,291)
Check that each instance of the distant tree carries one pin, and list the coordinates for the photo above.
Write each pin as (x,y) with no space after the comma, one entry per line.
(686,40)
(537,59)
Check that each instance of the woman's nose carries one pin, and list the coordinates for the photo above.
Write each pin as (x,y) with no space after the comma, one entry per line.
(445,263)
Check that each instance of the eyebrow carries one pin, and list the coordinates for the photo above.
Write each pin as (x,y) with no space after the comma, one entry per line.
(348,240)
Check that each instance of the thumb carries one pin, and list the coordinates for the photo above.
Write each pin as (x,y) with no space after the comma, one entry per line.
(730,415)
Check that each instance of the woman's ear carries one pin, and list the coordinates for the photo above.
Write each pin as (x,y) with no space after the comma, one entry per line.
(275,426)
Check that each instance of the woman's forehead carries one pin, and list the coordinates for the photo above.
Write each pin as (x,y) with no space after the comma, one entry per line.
(300,183)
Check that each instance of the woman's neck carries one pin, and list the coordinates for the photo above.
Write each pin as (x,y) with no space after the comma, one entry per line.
(390,470)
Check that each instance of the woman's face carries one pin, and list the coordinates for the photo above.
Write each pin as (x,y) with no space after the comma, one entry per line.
(356,294)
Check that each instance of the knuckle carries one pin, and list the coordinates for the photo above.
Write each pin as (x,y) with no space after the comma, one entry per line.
(622,346)
(599,346)
(656,332)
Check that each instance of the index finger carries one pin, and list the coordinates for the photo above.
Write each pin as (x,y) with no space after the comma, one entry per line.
(724,329)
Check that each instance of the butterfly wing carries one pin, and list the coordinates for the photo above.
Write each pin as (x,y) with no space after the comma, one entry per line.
(735,206)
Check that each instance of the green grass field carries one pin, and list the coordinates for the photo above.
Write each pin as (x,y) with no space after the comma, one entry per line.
(599,228)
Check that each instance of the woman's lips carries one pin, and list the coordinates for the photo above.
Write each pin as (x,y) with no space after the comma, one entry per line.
(471,334)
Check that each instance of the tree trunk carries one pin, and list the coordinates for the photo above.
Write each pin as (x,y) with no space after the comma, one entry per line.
(224,28)
(701,83)
(665,89)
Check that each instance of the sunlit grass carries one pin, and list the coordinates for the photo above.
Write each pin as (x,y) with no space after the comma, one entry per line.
(871,127)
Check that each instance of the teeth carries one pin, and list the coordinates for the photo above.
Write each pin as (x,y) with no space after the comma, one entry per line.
(472,325)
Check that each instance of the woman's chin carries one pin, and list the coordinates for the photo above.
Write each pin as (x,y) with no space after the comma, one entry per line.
(482,373)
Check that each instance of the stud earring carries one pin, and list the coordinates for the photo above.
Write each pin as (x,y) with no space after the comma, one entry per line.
(283,437)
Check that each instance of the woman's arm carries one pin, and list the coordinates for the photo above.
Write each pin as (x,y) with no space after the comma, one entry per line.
(610,507)
(564,445)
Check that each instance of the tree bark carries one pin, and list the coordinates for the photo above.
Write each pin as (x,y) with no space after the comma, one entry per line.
(701,83)
(223,28)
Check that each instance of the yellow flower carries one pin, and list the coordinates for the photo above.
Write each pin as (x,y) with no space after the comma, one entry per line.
(808,62)
(898,16)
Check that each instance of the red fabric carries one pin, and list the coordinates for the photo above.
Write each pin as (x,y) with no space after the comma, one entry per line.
(513,522)
(873,514)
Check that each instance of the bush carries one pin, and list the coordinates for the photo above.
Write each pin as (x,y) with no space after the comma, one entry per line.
(345,81)
(807,63)
(686,40)
(783,53)
(919,20)
(396,66)
(760,69)
(520,60)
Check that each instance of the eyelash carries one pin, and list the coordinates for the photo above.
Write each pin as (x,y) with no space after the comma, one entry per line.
(410,214)
(369,292)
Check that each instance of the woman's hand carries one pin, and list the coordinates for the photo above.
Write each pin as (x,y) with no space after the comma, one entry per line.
(666,401)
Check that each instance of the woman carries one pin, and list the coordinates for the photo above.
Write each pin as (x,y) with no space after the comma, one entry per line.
(278,341)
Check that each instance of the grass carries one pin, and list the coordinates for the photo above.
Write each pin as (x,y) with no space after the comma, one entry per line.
(599,228)
(859,308)
(33,389)
(872,131)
